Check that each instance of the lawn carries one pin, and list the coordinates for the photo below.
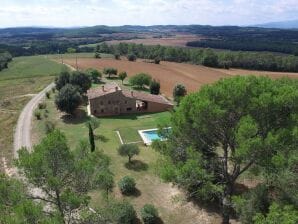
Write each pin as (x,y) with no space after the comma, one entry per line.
(23,77)
(170,201)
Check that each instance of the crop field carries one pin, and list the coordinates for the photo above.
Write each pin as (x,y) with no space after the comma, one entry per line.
(169,73)
(177,40)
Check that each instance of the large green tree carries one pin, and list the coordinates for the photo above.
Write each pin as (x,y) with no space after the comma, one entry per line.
(64,176)
(227,128)
(140,80)
(81,80)
(68,99)
(16,206)
(110,71)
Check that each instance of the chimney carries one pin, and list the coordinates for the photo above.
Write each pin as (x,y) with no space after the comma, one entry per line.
(116,88)
(131,93)
(103,88)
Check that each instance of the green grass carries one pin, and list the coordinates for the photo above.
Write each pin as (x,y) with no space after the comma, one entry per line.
(149,186)
(29,67)
(24,75)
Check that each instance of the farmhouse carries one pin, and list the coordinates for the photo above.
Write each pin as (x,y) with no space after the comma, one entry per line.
(110,99)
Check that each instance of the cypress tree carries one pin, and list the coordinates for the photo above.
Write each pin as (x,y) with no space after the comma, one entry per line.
(91,138)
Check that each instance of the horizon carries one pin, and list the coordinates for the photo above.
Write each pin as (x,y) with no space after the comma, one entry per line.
(86,13)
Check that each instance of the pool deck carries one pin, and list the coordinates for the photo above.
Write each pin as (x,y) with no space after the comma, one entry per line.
(145,139)
(143,136)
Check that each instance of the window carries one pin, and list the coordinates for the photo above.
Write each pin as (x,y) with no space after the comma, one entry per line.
(94,111)
(128,109)
(102,111)
(125,101)
(101,102)
(109,102)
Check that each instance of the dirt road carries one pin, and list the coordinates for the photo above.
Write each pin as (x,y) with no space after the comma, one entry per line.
(22,135)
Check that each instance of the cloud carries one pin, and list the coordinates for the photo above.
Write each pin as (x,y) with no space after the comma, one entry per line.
(144,12)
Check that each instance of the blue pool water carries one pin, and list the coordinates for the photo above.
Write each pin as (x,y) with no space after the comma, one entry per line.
(152,135)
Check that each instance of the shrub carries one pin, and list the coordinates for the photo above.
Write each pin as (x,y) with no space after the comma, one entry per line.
(48,95)
(97,55)
(42,106)
(156,60)
(127,185)
(37,114)
(54,89)
(154,87)
(117,56)
(149,214)
(123,213)
(132,57)
(49,127)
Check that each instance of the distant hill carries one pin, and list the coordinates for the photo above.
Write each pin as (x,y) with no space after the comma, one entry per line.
(291,24)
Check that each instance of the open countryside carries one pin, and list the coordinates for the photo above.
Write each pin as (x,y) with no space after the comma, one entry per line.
(169,73)
(102,122)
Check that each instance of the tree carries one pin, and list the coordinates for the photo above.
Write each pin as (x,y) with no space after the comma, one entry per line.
(117,56)
(62,79)
(97,55)
(127,185)
(149,214)
(94,122)
(71,50)
(132,57)
(210,58)
(122,213)
(81,80)
(278,214)
(179,92)
(16,205)
(226,128)
(91,138)
(129,150)
(68,99)
(106,181)
(110,71)
(154,87)
(140,80)
(122,76)
(156,60)
(94,74)
(64,176)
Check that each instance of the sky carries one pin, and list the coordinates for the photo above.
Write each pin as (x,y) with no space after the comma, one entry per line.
(73,13)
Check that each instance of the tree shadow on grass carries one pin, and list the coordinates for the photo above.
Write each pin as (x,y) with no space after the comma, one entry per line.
(136,165)
(79,117)
(101,138)
(136,193)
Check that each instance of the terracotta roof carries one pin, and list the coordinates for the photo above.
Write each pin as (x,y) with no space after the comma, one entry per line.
(103,90)
(146,97)
(111,88)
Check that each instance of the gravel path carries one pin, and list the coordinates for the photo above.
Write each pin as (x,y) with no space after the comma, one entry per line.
(22,135)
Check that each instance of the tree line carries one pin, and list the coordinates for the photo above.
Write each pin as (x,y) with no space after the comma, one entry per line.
(247,45)
(208,57)
(5,58)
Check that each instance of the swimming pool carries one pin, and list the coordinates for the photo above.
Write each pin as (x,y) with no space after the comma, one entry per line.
(150,135)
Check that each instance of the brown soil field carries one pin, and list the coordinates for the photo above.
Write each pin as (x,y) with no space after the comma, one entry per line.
(169,73)
(177,40)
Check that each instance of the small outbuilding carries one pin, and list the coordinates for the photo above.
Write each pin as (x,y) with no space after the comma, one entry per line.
(110,99)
